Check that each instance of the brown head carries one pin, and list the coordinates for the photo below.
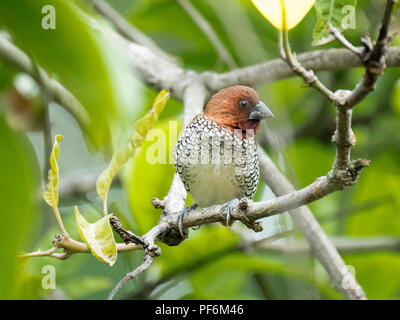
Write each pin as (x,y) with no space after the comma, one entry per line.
(237,107)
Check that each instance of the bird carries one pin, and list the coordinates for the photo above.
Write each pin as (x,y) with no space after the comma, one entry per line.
(216,154)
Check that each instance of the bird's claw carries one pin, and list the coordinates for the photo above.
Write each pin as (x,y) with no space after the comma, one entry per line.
(229,209)
(181,215)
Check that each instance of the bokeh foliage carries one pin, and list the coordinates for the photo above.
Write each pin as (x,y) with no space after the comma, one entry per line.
(207,265)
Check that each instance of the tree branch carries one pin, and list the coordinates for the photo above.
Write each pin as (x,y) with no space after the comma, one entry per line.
(148,260)
(348,245)
(248,211)
(373,58)
(318,60)
(150,251)
(80,183)
(307,75)
(155,71)
(71,246)
(345,172)
(60,95)
(320,244)
(336,33)
(128,30)
(268,244)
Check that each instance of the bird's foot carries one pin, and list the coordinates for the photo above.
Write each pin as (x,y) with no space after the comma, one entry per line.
(182,214)
(229,209)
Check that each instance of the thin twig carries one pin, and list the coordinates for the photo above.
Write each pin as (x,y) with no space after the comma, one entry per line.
(40,253)
(205,26)
(347,245)
(72,246)
(105,201)
(307,75)
(148,260)
(80,183)
(243,245)
(126,235)
(304,219)
(373,58)
(274,70)
(337,34)
(151,251)
(248,211)
(60,223)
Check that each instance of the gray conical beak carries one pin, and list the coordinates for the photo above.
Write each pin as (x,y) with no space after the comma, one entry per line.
(260,112)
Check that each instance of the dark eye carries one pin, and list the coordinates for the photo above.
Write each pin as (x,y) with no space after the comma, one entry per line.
(244,103)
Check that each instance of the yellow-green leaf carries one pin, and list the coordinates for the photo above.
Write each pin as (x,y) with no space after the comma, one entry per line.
(143,125)
(293,10)
(122,155)
(51,194)
(98,237)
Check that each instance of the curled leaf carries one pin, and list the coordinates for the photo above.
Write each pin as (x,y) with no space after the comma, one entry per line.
(98,237)
(143,125)
(51,194)
(293,11)
(122,155)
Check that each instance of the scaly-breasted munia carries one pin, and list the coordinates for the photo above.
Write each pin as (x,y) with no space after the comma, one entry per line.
(216,154)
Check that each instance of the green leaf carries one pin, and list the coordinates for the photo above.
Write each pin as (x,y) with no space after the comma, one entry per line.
(98,237)
(75,53)
(19,185)
(51,194)
(329,11)
(122,155)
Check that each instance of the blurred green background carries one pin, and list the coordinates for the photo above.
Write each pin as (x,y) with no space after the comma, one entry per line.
(207,265)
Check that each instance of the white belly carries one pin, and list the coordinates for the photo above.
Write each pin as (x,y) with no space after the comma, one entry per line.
(213,184)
